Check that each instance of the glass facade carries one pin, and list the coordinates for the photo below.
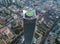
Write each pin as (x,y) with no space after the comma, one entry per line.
(29,27)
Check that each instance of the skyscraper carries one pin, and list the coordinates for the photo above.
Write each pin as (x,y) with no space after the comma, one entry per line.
(29,21)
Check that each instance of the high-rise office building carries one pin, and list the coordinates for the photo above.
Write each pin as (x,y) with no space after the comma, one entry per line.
(3,2)
(0,1)
(17,2)
(10,1)
(29,21)
(6,2)
(39,39)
